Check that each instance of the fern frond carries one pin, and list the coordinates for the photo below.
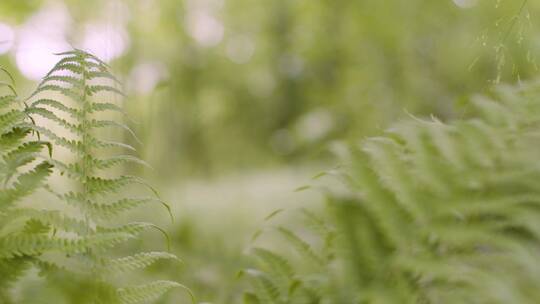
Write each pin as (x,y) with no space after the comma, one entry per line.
(148,292)
(56,105)
(104,106)
(103,186)
(265,288)
(88,236)
(303,248)
(80,54)
(74,81)
(24,185)
(433,213)
(11,139)
(130,228)
(36,244)
(10,272)
(22,155)
(10,120)
(8,100)
(275,262)
(51,116)
(50,218)
(107,211)
(77,146)
(110,162)
(18,179)
(68,92)
(137,261)
(100,74)
(109,123)
(103,88)
(454,193)
(76,170)
(283,279)
(9,86)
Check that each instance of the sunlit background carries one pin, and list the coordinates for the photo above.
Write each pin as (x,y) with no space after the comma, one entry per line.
(238,103)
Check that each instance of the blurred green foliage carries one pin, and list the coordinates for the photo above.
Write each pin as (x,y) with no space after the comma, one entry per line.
(321,70)
(284,78)
(273,83)
(18,10)
(432,212)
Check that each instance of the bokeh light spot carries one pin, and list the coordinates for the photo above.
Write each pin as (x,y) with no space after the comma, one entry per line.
(204,28)
(7,38)
(240,49)
(145,76)
(105,41)
(465,3)
(40,38)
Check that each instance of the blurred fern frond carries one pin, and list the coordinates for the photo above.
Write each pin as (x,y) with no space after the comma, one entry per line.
(21,174)
(305,277)
(434,213)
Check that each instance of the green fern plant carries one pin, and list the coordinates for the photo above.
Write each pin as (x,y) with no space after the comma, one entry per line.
(72,248)
(20,175)
(437,212)
(305,277)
